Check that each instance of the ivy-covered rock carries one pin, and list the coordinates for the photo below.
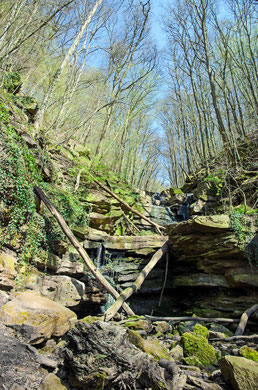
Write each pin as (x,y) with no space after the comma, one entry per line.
(196,345)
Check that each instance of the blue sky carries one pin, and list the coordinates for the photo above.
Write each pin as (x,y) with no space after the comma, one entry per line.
(157,9)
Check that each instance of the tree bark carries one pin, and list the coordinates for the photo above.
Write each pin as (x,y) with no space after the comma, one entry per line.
(244,318)
(64,63)
(79,248)
(110,313)
(158,227)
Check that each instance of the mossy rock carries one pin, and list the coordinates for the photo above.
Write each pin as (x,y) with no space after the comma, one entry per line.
(201,330)
(139,325)
(162,326)
(91,319)
(151,346)
(196,345)
(249,353)
(193,361)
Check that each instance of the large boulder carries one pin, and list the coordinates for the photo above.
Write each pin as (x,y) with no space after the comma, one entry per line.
(100,355)
(60,288)
(239,372)
(39,317)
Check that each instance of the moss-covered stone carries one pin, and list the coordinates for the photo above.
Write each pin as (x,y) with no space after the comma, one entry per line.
(162,326)
(193,361)
(151,346)
(249,353)
(196,345)
(139,325)
(91,319)
(201,330)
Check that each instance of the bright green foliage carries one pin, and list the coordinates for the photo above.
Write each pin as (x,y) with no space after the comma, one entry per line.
(245,228)
(218,179)
(19,173)
(12,82)
(196,345)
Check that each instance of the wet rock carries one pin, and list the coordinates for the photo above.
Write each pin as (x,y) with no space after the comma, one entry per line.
(37,317)
(240,373)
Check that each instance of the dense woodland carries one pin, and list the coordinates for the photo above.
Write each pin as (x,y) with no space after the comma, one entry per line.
(154,117)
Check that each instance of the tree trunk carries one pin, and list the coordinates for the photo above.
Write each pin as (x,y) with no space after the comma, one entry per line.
(244,318)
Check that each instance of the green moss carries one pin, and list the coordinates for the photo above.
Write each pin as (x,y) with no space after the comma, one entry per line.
(91,319)
(12,82)
(176,191)
(249,353)
(196,345)
(149,346)
(140,324)
(193,361)
(201,330)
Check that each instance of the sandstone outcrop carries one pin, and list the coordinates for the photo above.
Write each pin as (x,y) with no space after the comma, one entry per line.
(207,261)
(38,318)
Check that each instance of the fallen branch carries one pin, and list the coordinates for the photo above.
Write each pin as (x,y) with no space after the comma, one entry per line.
(253,337)
(244,318)
(158,227)
(131,222)
(79,248)
(113,309)
(197,319)
(78,178)
(165,279)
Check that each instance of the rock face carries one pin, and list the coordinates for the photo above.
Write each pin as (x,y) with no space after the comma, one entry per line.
(7,270)
(240,373)
(208,267)
(101,354)
(18,366)
(38,318)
